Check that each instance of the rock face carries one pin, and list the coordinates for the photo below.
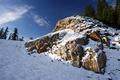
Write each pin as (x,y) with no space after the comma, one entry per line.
(76,23)
(93,62)
(74,52)
(63,24)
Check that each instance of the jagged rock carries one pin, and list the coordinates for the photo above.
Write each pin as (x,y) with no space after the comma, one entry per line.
(42,45)
(93,62)
(62,24)
(59,51)
(94,36)
(90,61)
(75,53)
(77,24)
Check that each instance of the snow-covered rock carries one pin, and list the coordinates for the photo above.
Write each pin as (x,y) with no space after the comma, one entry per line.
(87,32)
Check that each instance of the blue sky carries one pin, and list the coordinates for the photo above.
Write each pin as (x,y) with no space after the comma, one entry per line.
(35,18)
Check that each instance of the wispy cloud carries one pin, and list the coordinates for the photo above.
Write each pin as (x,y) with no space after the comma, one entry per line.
(14,13)
(40,20)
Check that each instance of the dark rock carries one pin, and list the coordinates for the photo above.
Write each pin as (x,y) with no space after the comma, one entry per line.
(102,59)
(118,59)
(82,41)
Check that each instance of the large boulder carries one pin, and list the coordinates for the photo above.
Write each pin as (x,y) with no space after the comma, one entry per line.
(93,61)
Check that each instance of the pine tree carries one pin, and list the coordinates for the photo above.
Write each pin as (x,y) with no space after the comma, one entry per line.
(117,9)
(89,11)
(100,9)
(15,34)
(5,33)
(107,14)
(1,33)
(114,18)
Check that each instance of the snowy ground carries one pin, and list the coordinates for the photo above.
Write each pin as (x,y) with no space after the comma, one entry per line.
(16,64)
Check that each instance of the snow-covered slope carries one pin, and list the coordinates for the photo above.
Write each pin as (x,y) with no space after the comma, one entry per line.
(16,64)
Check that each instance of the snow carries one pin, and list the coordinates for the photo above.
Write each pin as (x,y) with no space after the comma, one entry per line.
(70,36)
(16,64)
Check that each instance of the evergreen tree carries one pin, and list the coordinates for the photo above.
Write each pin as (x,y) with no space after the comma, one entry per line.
(100,9)
(114,18)
(1,33)
(107,14)
(15,34)
(5,33)
(117,9)
(89,11)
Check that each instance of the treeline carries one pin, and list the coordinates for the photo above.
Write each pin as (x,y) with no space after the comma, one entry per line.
(104,12)
(4,34)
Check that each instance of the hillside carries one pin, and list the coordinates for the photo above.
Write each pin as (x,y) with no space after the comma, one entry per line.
(63,53)
(16,64)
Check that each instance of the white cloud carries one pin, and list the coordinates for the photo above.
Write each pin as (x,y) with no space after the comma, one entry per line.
(40,21)
(14,13)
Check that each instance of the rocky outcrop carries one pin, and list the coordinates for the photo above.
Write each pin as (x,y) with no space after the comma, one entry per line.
(43,44)
(77,23)
(69,38)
